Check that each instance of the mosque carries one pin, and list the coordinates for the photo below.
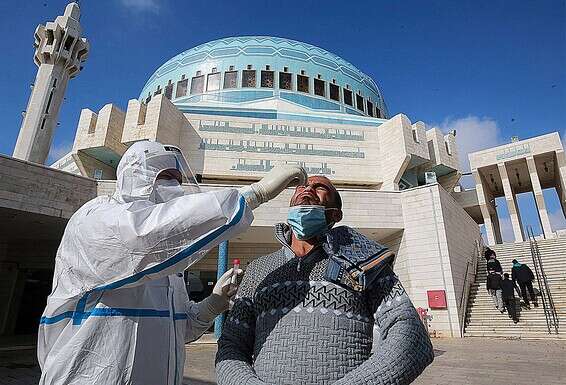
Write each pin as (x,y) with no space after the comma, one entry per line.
(239,106)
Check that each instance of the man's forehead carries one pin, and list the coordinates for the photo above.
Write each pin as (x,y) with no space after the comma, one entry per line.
(320,179)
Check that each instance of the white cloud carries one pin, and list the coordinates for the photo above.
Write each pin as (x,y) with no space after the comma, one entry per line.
(557,220)
(142,5)
(473,133)
(58,151)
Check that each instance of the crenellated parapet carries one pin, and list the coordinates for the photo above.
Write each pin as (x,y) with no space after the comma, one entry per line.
(101,138)
(391,156)
(408,150)
(158,120)
(98,143)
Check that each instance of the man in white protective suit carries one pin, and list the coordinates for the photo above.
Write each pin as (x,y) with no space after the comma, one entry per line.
(119,312)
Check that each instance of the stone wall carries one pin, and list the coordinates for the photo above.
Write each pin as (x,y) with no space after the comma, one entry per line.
(30,187)
(433,250)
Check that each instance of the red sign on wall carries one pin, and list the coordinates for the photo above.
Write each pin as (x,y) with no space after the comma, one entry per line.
(437,299)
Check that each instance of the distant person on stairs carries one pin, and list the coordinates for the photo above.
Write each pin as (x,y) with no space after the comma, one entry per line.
(492,262)
(523,275)
(493,286)
(508,288)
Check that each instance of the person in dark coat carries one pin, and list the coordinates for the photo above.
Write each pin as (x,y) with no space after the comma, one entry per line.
(493,286)
(523,275)
(492,262)
(508,288)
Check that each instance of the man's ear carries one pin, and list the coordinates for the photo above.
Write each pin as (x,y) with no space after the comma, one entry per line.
(335,215)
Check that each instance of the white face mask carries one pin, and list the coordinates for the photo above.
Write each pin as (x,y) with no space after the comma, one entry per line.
(166,189)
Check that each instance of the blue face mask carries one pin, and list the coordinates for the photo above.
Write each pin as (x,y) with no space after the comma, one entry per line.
(307,221)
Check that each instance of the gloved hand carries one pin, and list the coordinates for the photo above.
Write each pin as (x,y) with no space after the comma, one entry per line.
(224,288)
(272,184)
(218,302)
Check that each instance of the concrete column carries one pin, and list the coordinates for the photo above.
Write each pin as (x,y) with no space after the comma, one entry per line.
(222,268)
(539,199)
(511,204)
(491,224)
(560,175)
(496,227)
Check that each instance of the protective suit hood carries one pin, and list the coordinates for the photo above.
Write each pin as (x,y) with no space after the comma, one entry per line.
(138,170)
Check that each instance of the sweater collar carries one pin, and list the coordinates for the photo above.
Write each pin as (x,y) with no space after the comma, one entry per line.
(283,236)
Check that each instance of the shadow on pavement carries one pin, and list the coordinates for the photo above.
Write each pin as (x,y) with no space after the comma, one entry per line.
(438,352)
(192,381)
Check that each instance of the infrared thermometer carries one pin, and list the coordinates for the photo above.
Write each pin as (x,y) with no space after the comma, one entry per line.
(234,277)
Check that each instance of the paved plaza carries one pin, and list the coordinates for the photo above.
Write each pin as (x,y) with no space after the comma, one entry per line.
(458,361)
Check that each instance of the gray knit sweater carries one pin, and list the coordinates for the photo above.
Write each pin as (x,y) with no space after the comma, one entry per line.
(289,326)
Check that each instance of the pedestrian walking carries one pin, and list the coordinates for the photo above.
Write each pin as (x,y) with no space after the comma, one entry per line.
(523,275)
(493,286)
(492,263)
(508,288)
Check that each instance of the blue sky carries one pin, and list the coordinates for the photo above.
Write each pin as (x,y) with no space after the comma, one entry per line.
(492,69)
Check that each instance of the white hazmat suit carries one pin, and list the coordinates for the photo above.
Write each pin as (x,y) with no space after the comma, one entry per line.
(119,312)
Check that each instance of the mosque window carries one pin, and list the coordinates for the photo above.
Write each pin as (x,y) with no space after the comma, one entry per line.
(285,81)
(213,81)
(370,107)
(348,97)
(169,90)
(50,36)
(302,83)
(231,79)
(378,113)
(334,92)
(68,43)
(447,145)
(319,88)
(267,79)
(415,136)
(248,78)
(182,87)
(359,102)
(197,85)
(49,101)
(92,126)
(157,91)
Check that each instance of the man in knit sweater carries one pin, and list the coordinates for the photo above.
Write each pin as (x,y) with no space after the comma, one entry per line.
(306,313)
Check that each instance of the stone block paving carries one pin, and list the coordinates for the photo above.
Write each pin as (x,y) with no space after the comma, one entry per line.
(468,361)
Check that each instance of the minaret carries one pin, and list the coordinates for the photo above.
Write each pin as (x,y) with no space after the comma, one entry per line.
(59,53)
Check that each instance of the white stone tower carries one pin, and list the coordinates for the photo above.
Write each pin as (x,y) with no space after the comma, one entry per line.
(59,53)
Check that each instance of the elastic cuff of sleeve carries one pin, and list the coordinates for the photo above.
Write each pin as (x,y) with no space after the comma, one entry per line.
(250,196)
(211,307)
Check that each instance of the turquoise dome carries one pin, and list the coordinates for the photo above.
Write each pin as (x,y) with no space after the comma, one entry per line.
(239,71)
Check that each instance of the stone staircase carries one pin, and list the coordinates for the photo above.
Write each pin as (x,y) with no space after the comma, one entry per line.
(483,320)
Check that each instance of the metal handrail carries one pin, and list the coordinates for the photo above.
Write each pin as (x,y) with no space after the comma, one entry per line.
(547,302)
(471,266)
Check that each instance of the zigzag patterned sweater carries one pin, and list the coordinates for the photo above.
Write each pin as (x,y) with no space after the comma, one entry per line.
(289,326)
